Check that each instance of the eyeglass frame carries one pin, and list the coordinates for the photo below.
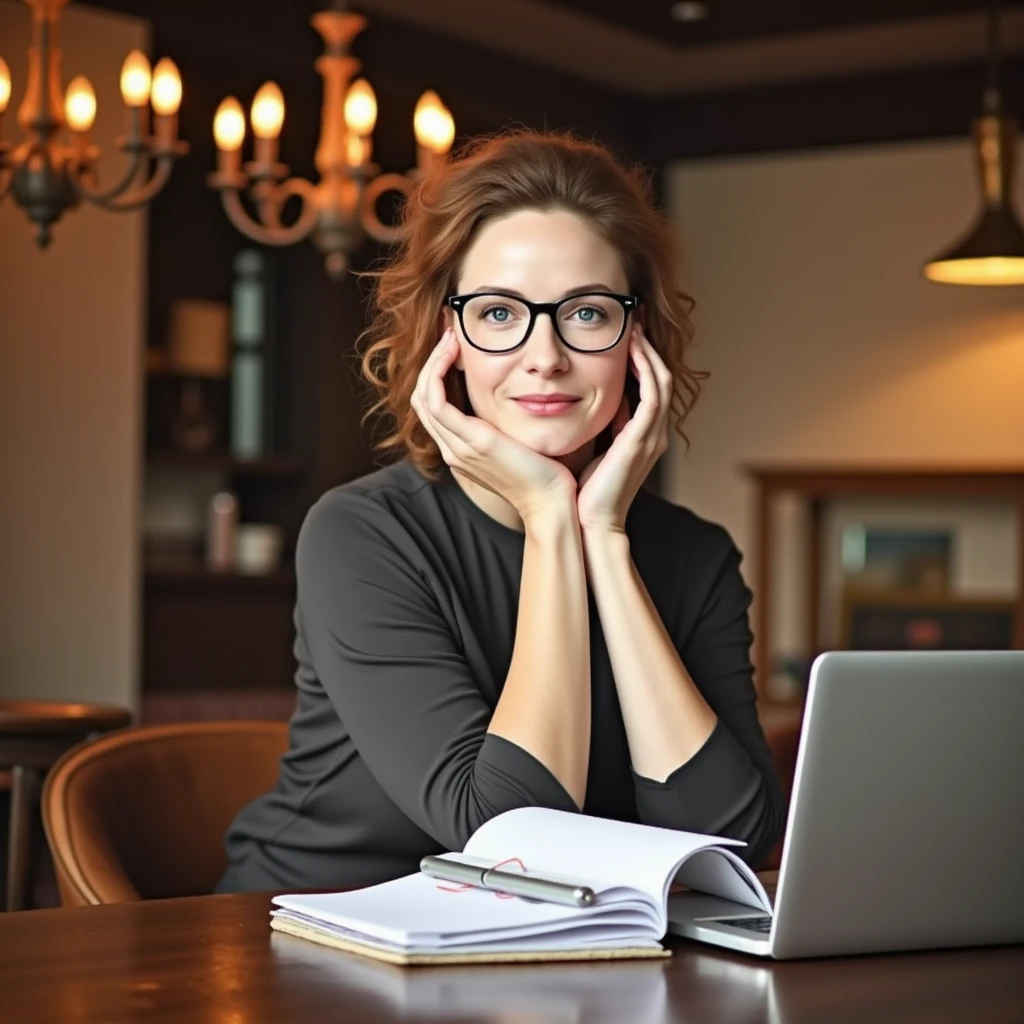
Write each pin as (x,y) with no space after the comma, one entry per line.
(629,303)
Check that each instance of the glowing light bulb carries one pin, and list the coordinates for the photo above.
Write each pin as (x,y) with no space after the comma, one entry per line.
(229,125)
(5,85)
(267,114)
(135,79)
(360,107)
(80,104)
(165,92)
(433,123)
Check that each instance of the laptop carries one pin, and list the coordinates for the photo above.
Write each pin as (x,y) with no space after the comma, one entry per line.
(906,821)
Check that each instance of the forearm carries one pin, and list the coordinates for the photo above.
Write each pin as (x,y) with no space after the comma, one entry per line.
(667,720)
(545,704)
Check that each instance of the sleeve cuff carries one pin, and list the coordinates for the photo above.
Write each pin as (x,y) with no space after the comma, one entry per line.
(527,782)
(705,793)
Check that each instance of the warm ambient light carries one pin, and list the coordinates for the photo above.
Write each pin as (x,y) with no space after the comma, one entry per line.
(361,107)
(989,270)
(5,85)
(229,125)
(135,79)
(165,93)
(267,112)
(80,104)
(433,124)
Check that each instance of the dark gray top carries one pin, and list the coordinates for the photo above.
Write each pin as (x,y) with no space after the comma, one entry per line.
(405,622)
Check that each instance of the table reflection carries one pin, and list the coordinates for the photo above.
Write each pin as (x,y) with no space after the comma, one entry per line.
(604,992)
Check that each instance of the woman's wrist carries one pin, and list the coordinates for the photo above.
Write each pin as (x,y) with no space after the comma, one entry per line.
(554,521)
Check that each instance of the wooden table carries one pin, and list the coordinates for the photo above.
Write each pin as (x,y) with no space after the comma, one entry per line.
(214,960)
(33,735)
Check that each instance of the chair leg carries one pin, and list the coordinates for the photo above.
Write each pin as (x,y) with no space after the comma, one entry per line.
(24,793)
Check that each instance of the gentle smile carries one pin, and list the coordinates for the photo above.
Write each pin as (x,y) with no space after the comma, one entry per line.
(546,405)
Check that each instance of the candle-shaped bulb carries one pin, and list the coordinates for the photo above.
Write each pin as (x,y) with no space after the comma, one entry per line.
(433,124)
(267,112)
(229,125)
(135,79)
(165,92)
(360,107)
(80,104)
(5,85)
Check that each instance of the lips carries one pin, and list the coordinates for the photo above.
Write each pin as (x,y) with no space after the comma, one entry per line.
(546,405)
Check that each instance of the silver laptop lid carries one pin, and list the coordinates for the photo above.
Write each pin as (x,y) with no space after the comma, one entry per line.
(906,825)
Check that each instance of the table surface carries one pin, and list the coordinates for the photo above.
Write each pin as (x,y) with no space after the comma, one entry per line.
(214,960)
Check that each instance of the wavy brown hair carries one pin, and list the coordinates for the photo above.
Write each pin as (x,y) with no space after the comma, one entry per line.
(493,176)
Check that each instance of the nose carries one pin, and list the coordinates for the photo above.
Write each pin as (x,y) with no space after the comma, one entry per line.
(543,352)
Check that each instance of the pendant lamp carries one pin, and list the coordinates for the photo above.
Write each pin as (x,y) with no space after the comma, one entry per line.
(992,252)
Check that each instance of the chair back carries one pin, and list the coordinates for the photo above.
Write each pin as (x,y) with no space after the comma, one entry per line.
(141,814)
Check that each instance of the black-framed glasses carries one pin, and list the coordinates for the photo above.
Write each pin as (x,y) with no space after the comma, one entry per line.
(497,323)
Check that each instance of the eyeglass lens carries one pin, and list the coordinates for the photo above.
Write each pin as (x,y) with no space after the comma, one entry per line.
(498,323)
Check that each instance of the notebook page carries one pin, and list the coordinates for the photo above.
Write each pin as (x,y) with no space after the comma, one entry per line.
(421,911)
(598,850)
(721,873)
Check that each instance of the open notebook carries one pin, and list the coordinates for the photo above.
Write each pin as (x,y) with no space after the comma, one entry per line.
(417,919)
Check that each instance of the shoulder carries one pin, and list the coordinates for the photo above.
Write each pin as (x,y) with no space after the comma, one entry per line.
(364,514)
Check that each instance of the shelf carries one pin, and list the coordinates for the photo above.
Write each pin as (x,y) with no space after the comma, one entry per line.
(225,462)
(196,575)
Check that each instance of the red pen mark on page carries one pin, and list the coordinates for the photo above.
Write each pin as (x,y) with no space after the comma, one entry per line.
(466,887)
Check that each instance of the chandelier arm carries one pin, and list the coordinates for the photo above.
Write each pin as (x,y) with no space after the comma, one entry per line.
(98,196)
(271,201)
(372,224)
(144,193)
(270,235)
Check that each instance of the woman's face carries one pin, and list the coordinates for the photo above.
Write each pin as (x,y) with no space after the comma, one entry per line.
(543,256)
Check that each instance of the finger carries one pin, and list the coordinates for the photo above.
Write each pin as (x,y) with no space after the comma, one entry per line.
(621,417)
(666,382)
(429,366)
(661,370)
(440,436)
(647,413)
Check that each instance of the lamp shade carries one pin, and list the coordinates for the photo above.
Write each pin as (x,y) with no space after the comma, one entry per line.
(992,253)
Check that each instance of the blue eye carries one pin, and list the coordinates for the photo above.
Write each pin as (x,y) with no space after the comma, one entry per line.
(504,314)
(591,314)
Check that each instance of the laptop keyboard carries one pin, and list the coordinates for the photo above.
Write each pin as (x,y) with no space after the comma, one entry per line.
(753,924)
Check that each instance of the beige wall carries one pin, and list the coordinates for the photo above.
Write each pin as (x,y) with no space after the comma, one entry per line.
(827,345)
(71,344)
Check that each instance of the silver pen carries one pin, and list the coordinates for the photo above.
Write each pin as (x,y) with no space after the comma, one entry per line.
(534,887)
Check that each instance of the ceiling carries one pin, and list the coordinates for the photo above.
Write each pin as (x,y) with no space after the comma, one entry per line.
(636,47)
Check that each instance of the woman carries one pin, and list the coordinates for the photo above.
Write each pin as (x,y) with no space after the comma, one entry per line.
(504,617)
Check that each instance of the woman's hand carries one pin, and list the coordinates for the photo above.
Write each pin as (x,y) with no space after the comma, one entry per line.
(531,483)
(609,484)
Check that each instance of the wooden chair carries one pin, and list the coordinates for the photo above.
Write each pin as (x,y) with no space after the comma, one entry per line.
(142,814)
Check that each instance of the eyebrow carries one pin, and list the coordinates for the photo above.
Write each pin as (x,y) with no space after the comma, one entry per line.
(582,289)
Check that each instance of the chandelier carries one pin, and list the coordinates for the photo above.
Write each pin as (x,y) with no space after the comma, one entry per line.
(341,208)
(46,175)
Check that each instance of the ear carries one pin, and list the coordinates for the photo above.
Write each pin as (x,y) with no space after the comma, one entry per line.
(448,319)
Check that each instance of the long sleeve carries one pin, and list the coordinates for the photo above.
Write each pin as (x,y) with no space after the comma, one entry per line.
(729,787)
(391,665)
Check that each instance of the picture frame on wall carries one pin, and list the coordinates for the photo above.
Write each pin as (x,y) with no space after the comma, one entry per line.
(894,620)
(899,557)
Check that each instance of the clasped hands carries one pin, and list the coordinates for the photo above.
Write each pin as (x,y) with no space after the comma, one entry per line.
(533,483)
